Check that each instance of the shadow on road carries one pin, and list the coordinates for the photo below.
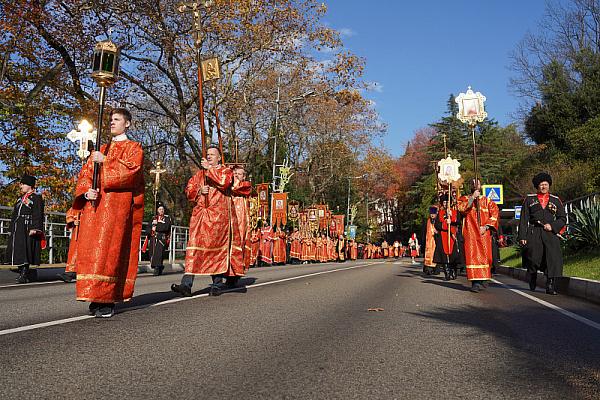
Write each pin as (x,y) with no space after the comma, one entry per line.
(553,358)
(148,299)
(448,284)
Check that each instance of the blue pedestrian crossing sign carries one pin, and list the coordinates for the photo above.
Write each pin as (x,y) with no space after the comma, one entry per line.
(494,192)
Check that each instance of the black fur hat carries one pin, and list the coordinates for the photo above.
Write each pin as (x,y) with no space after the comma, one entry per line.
(541,177)
(28,180)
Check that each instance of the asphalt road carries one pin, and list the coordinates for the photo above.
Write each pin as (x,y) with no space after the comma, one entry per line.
(293,336)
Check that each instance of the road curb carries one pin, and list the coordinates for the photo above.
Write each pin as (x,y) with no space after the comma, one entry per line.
(587,289)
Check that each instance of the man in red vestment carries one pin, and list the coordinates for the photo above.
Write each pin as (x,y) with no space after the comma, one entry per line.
(279,251)
(476,233)
(241,191)
(295,247)
(254,246)
(110,224)
(215,245)
(266,245)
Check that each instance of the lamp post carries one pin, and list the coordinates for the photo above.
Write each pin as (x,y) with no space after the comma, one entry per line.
(274,175)
(348,208)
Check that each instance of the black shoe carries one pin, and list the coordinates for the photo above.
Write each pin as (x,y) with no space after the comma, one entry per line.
(550,287)
(532,281)
(475,288)
(105,311)
(183,290)
(93,308)
(23,272)
(156,271)
(232,282)
(216,289)
(66,277)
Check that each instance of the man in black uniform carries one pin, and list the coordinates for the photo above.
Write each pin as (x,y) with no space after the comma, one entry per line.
(157,238)
(26,230)
(542,219)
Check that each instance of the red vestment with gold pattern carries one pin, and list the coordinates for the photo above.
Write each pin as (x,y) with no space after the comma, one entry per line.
(279,250)
(240,193)
(266,244)
(110,228)
(478,248)
(254,246)
(73,216)
(295,245)
(429,244)
(215,245)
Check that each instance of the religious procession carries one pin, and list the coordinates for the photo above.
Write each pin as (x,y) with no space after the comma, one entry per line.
(299,199)
(235,225)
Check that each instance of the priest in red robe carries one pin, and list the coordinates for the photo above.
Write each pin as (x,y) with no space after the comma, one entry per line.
(215,246)
(480,216)
(295,246)
(110,223)
(240,192)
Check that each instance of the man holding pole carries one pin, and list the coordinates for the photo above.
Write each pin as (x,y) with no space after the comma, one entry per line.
(111,220)
(215,245)
(480,216)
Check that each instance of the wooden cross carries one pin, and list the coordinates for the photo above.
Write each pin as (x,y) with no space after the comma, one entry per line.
(85,134)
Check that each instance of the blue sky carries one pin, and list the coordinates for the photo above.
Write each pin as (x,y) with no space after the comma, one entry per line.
(419,52)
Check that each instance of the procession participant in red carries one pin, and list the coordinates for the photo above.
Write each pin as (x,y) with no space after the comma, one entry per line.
(396,249)
(385,247)
(241,190)
(266,245)
(430,232)
(413,243)
(353,250)
(254,246)
(215,246)
(111,220)
(448,250)
(72,219)
(341,248)
(279,251)
(295,247)
(476,233)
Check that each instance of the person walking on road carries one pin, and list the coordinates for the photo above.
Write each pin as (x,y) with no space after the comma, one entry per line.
(111,220)
(480,216)
(158,235)
(26,231)
(215,244)
(543,218)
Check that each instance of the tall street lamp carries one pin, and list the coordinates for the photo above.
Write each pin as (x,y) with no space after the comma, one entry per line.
(348,209)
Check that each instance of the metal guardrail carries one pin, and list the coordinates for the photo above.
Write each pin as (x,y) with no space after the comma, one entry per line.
(58,236)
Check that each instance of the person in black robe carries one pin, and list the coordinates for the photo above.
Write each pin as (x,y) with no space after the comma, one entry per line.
(543,218)
(158,233)
(26,230)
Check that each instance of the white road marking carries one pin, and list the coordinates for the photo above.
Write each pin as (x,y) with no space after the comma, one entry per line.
(554,307)
(175,300)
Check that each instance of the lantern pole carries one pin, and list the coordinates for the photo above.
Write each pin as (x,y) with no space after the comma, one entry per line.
(471,111)
(105,68)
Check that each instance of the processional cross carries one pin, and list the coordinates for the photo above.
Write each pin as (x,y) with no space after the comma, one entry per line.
(84,134)
(157,171)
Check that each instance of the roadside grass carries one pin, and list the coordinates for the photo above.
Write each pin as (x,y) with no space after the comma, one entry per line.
(581,264)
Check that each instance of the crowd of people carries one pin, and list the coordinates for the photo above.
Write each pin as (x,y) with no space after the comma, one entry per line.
(107,212)
(462,232)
